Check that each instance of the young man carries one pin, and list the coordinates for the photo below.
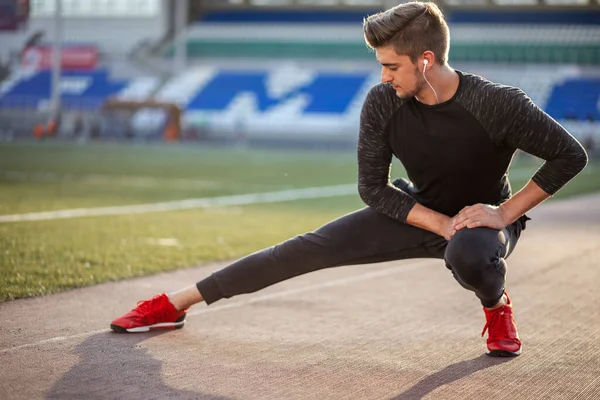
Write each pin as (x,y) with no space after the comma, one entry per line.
(455,133)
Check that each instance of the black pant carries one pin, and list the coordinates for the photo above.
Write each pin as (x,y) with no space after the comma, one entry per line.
(475,256)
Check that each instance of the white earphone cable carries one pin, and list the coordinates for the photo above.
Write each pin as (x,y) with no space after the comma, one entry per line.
(434,92)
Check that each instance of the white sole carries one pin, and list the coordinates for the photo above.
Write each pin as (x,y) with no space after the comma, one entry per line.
(156,326)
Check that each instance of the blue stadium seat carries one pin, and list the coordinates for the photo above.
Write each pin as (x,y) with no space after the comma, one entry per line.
(575,99)
(82,90)
(328,93)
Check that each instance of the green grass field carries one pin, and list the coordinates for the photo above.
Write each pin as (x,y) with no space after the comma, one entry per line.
(42,257)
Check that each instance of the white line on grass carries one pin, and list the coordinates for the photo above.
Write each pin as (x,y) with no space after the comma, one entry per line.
(339,282)
(210,202)
(207,202)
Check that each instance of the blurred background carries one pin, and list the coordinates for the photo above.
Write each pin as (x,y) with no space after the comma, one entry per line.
(265,71)
(139,136)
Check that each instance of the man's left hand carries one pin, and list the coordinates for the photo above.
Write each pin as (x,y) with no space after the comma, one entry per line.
(479,215)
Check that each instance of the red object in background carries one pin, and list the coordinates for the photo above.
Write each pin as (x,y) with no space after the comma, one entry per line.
(74,57)
(38,131)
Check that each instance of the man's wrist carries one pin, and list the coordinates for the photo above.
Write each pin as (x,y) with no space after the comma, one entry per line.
(427,219)
(506,214)
(442,224)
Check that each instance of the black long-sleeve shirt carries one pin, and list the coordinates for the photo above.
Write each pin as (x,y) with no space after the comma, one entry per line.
(457,153)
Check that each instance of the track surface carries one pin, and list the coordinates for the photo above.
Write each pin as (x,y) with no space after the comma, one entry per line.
(401,330)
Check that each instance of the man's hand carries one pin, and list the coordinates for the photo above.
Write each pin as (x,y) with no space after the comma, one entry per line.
(479,215)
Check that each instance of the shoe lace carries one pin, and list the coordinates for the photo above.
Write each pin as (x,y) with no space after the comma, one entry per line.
(500,324)
(151,309)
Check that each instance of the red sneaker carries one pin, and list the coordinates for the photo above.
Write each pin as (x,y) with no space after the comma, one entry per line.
(503,338)
(156,313)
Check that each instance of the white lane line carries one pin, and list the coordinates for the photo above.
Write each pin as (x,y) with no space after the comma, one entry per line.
(339,282)
(51,340)
(206,202)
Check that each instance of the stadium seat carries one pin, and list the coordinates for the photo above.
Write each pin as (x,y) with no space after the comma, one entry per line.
(575,99)
(79,90)
(476,42)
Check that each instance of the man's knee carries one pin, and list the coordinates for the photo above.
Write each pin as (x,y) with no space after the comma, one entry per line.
(473,254)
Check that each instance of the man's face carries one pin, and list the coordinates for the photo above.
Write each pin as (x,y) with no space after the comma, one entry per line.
(399,71)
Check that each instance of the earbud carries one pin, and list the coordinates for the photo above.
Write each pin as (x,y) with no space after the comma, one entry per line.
(426,61)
